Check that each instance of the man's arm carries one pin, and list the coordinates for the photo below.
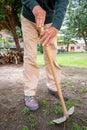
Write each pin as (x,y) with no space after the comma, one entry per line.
(60,10)
(37,11)
(49,34)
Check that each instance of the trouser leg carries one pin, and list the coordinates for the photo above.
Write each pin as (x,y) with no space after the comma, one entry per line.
(31,72)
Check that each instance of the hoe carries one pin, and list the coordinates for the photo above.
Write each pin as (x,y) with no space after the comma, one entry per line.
(69,112)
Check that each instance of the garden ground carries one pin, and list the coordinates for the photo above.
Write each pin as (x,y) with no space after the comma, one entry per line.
(15,116)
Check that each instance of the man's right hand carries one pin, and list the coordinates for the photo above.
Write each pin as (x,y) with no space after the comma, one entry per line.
(40,15)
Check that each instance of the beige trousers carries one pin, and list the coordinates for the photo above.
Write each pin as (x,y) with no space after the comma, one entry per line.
(31,71)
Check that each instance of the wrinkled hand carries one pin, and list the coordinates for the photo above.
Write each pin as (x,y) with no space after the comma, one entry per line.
(47,35)
(40,15)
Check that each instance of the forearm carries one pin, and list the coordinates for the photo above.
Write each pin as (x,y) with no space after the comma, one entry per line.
(30,3)
(60,10)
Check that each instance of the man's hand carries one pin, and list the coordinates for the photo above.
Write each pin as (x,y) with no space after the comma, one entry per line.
(40,15)
(47,35)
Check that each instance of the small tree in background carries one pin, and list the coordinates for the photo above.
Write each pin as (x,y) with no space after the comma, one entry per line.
(76,19)
(9,17)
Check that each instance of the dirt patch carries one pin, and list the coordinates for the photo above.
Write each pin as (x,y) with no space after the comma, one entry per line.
(15,116)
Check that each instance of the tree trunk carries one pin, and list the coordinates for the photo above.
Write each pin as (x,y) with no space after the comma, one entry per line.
(85,40)
(11,22)
(67,47)
(86,45)
(16,39)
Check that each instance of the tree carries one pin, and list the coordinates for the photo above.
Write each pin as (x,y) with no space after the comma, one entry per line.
(76,19)
(9,17)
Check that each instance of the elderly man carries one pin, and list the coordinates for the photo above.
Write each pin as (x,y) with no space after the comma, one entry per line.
(36,14)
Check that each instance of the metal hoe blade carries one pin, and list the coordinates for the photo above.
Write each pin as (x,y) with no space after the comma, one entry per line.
(60,120)
(64,118)
(71,110)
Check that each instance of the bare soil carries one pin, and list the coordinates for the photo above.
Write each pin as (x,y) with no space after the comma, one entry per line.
(74,84)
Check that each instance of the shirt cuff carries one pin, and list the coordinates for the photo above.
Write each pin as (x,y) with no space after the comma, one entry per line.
(33,4)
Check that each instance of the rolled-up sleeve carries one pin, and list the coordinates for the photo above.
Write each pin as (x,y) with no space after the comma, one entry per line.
(60,10)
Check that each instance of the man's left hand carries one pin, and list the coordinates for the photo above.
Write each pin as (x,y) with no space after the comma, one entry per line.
(47,35)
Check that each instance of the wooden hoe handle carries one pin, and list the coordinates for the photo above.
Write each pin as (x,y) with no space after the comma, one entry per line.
(46,48)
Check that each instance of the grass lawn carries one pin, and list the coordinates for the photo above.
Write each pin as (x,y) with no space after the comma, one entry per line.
(68,59)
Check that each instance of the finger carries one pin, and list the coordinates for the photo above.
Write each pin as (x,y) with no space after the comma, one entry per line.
(36,21)
(40,22)
(47,41)
(42,33)
(43,37)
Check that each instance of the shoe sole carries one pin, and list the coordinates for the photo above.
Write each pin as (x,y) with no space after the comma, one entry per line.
(56,95)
